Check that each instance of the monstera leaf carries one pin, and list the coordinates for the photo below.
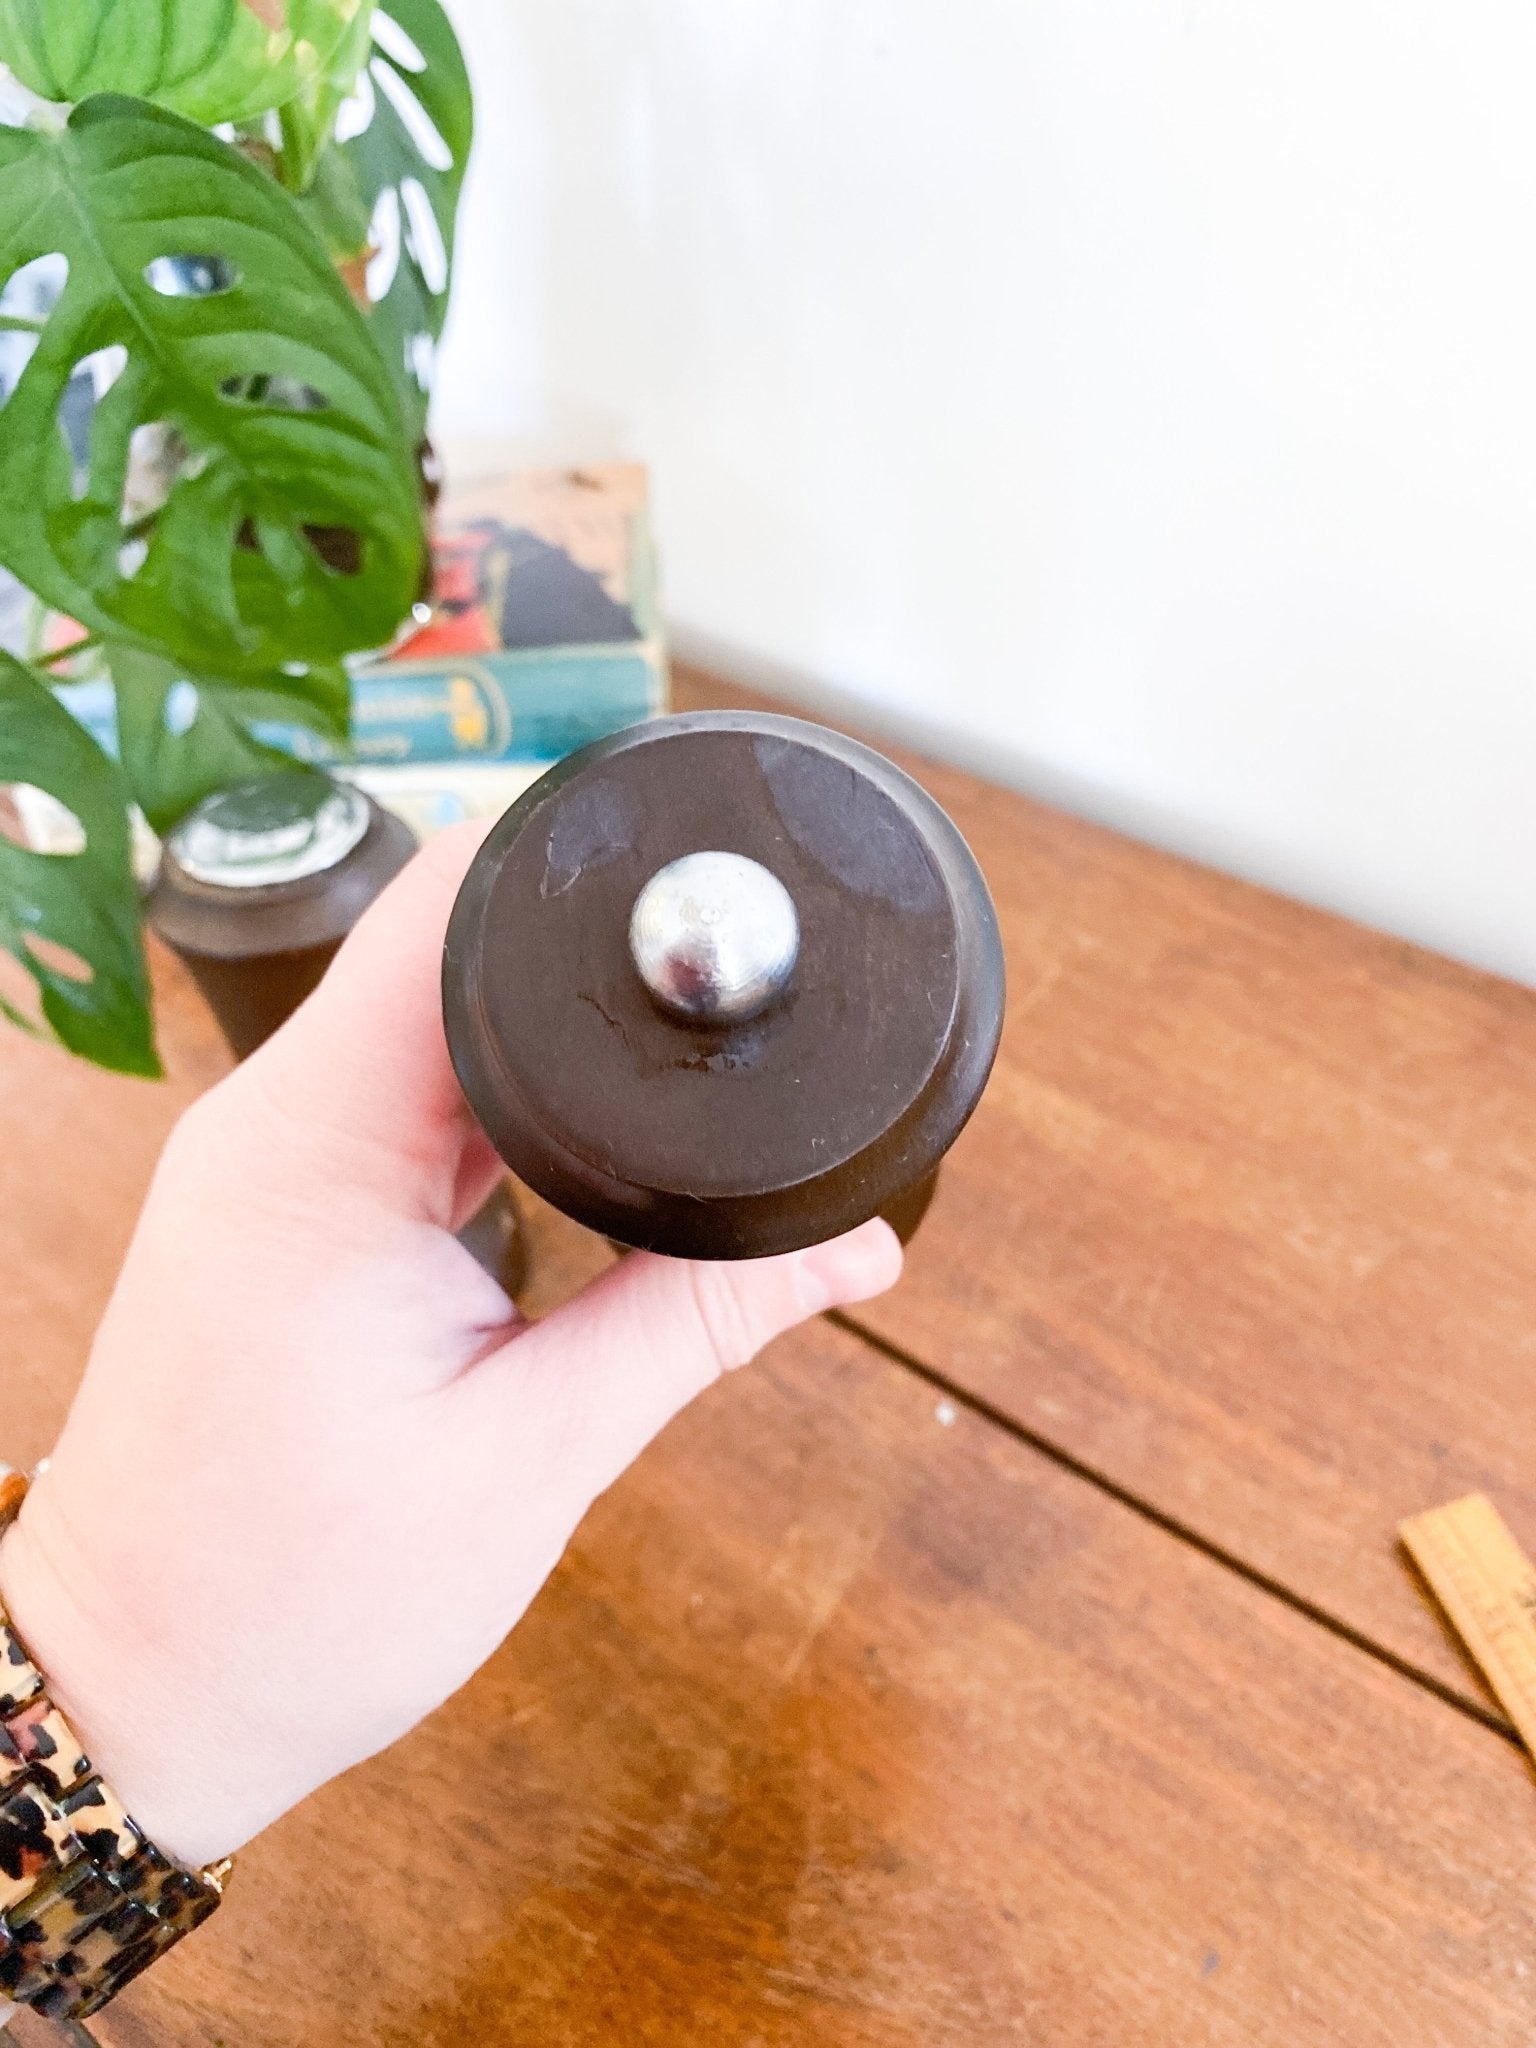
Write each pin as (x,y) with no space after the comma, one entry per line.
(305,121)
(250,495)
(212,60)
(182,737)
(71,918)
(392,185)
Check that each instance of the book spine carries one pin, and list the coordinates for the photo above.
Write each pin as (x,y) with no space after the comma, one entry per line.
(489,707)
(431,795)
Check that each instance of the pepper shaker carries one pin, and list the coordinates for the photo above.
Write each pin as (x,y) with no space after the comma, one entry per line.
(724,984)
(258,886)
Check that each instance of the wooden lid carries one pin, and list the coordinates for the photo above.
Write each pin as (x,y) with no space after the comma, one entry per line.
(741,1139)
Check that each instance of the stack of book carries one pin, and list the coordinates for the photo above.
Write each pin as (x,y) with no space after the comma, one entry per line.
(542,634)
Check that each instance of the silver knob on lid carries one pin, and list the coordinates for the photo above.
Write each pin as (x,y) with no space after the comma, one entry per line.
(714,937)
(279,828)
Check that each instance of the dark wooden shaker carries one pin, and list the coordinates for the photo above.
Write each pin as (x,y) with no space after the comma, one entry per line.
(723,985)
(257,887)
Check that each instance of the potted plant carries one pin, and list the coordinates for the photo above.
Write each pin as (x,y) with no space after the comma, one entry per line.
(226,236)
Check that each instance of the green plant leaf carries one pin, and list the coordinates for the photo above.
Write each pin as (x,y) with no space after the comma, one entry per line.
(250,496)
(182,737)
(212,60)
(72,919)
(306,120)
(406,162)
(334,207)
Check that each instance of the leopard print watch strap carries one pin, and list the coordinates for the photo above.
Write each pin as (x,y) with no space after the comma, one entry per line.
(13,1491)
(86,1902)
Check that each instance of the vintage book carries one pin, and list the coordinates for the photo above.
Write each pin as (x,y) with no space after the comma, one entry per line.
(432,794)
(542,633)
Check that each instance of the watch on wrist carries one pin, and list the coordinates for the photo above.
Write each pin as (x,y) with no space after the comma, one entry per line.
(86,1900)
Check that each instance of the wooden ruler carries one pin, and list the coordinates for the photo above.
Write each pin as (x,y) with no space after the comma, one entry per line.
(1487,1585)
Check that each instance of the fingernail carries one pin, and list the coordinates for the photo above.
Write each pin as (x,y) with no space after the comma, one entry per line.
(851,1268)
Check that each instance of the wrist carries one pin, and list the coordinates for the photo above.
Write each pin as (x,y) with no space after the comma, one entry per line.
(118,1687)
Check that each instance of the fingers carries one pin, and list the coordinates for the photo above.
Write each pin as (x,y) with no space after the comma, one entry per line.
(604,1374)
(360,1073)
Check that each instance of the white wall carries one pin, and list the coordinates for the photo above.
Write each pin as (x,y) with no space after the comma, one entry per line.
(1136,398)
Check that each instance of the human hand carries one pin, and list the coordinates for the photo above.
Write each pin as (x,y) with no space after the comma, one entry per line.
(318,1466)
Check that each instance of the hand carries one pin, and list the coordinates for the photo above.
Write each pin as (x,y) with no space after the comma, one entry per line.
(318,1465)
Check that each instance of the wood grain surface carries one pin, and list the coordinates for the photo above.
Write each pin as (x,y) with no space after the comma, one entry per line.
(840,1725)
(1247,1219)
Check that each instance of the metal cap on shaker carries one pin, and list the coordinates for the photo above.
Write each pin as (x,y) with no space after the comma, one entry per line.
(260,883)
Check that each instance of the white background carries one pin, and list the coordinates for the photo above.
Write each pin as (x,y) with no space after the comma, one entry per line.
(1136,401)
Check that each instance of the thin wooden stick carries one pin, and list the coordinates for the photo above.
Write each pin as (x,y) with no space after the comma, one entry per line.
(1487,1585)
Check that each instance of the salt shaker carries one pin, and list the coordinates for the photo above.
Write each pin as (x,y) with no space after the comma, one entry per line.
(258,886)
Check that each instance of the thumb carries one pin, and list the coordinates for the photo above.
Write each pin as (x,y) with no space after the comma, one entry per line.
(600,1377)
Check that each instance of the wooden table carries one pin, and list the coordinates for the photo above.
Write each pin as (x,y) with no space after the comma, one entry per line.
(1026,1657)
